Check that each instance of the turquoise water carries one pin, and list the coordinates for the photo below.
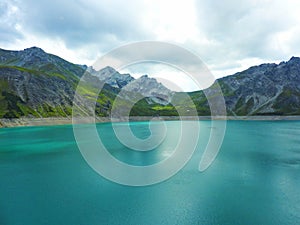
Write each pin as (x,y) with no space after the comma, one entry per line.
(254,180)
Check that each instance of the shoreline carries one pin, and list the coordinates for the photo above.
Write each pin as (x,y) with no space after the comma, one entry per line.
(51,121)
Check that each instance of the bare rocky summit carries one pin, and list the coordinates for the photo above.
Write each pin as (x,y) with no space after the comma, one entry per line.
(34,83)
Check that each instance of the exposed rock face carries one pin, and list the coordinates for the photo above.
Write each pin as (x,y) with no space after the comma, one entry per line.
(148,87)
(34,83)
(30,88)
(36,59)
(264,89)
(111,77)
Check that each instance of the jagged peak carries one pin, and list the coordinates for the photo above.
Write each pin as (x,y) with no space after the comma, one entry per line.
(34,49)
(109,68)
(294,59)
(85,67)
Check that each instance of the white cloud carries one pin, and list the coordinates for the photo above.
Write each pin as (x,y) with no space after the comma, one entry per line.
(227,35)
(171,77)
(171,20)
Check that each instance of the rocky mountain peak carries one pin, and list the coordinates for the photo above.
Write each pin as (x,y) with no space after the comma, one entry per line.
(145,85)
(34,50)
(112,77)
(151,88)
(110,69)
(294,60)
(35,83)
(264,89)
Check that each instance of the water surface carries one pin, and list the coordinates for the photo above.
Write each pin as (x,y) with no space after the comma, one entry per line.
(254,180)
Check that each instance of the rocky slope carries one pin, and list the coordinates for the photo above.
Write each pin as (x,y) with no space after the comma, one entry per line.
(267,89)
(34,83)
(146,86)
(112,77)
(264,90)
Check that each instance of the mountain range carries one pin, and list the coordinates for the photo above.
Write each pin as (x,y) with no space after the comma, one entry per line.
(34,83)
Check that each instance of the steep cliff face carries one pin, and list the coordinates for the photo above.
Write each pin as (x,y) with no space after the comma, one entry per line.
(149,87)
(146,86)
(34,83)
(36,59)
(27,93)
(264,90)
(111,77)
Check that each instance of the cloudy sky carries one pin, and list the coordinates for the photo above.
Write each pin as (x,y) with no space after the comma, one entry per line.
(228,36)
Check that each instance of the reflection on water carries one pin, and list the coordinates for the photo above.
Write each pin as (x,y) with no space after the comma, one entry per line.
(254,180)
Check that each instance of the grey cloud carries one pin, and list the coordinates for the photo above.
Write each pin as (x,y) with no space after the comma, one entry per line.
(244,28)
(8,35)
(8,23)
(157,52)
(79,23)
(232,30)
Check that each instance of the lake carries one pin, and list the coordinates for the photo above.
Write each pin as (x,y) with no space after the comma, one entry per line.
(255,179)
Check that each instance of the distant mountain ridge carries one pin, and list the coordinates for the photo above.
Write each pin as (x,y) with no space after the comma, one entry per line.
(144,85)
(112,77)
(264,90)
(37,59)
(34,83)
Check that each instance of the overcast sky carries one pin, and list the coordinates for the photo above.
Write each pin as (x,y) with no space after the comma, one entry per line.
(228,36)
